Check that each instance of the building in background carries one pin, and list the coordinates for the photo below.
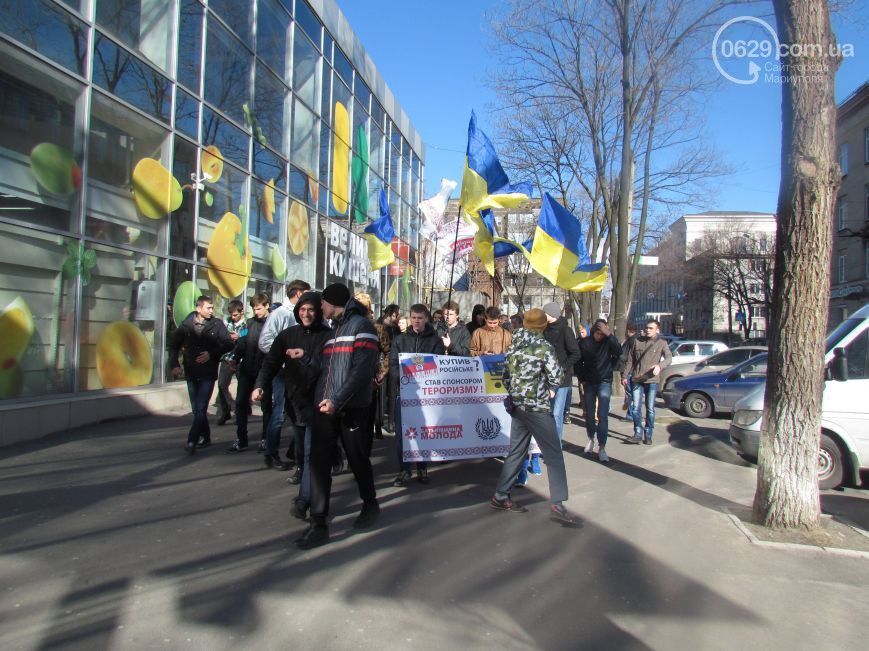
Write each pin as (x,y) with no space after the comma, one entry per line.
(849,277)
(155,150)
(711,277)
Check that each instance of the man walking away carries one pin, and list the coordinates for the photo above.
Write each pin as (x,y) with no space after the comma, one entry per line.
(249,359)
(647,356)
(599,353)
(628,404)
(457,339)
(419,338)
(532,375)
(204,339)
(559,334)
(342,397)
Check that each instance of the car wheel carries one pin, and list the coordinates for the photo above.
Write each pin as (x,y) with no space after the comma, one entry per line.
(670,380)
(831,468)
(697,405)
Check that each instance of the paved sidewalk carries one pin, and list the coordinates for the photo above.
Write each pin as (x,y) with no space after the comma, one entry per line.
(113,538)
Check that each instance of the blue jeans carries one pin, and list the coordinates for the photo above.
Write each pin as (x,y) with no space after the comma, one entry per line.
(562,395)
(200,393)
(276,418)
(650,391)
(600,394)
(629,398)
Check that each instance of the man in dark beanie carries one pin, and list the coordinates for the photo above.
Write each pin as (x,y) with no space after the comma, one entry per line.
(342,398)
(600,352)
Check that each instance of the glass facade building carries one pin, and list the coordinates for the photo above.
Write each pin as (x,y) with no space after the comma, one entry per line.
(156,150)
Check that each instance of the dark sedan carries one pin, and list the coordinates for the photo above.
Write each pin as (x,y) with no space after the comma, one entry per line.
(699,396)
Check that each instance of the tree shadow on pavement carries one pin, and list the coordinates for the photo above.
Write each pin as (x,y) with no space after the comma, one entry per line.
(709,442)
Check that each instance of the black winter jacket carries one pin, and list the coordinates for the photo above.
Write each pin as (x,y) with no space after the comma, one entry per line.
(426,341)
(350,360)
(214,340)
(460,340)
(598,359)
(247,349)
(564,341)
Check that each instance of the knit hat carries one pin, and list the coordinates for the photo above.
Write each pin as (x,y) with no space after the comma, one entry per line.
(535,319)
(553,310)
(336,294)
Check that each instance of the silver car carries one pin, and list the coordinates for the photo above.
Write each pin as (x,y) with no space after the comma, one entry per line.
(718,362)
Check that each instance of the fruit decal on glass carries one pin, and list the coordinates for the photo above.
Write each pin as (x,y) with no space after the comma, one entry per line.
(340,158)
(297,228)
(123,356)
(212,164)
(269,201)
(55,169)
(156,191)
(279,265)
(79,262)
(229,258)
(16,330)
(184,302)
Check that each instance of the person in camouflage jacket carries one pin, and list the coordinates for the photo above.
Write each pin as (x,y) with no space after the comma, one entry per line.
(532,377)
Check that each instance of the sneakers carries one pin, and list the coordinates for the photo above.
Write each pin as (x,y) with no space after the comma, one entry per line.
(274,461)
(367,516)
(589,447)
(634,440)
(647,441)
(602,455)
(401,478)
(422,475)
(296,477)
(559,514)
(314,536)
(506,505)
(534,468)
(262,446)
(203,442)
(237,447)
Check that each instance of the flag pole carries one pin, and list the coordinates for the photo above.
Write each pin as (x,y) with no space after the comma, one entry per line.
(453,265)
(434,257)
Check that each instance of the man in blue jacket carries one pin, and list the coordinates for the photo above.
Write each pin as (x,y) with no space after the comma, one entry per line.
(342,397)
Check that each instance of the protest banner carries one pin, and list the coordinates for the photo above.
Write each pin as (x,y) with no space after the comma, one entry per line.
(452,407)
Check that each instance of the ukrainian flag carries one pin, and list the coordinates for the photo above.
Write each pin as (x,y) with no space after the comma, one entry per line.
(558,251)
(380,234)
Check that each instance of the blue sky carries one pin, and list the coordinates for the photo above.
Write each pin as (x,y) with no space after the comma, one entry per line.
(434,58)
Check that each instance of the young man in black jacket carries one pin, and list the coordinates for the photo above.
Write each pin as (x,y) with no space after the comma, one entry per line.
(204,339)
(342,397)
(600,352)
(248,360)
(420,337)
(559,334)
(297,350)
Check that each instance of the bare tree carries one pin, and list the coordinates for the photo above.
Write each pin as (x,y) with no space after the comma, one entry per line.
(787,484)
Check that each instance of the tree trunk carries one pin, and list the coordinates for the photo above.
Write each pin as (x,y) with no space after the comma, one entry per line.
(787,484)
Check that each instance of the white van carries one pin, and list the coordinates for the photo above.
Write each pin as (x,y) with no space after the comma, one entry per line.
(845,410)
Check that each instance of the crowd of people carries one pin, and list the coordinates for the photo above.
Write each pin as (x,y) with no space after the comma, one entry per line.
(320,361)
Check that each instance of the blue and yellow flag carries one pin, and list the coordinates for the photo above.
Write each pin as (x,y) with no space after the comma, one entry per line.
(558,251)
(484,182)
(380,234)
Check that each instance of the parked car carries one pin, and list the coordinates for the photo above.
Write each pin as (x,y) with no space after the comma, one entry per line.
(714,363)
(844,450)
(699,396)
(692,351)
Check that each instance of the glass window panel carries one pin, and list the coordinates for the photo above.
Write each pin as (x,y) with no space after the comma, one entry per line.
(377,114)
(40,153)
(362,92)
(308,21)
(304,141)
(235,14)
(343,67)
(122,306)
(405,181)
(227,190)
(340,93)
(39,273)
(405,151)
(306,71)
(375,184)
(405,222)
(395,211)
(186,114)
(272,35)
(415,191)
(182,221)
(268,165)
(303,187)
(394,170)
(227,72)
(270,109)
(268,214)
(327,47)
(125,76)
(75,4)
(301,241)
(43,26)
(230,140)
(360,119)
(325,151)
(323,200)
(190,44)
(326,95)
(130,190)
(143,25)
(177,310)
(375,152)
